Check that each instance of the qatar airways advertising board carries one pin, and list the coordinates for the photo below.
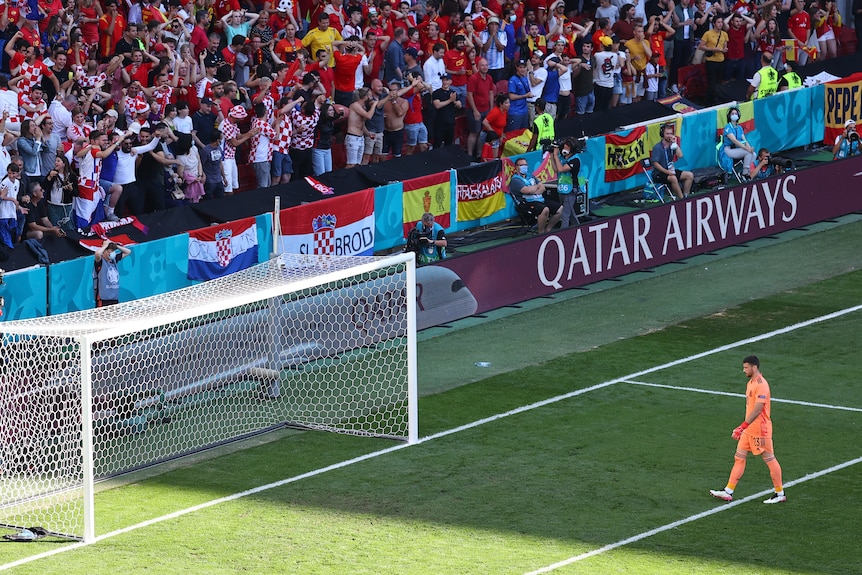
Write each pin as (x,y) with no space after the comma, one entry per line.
(612,247)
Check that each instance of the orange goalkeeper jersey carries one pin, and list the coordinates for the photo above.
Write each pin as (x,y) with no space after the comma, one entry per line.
(757,391)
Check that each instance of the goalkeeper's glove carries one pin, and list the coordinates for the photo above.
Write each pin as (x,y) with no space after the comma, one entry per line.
(737,433)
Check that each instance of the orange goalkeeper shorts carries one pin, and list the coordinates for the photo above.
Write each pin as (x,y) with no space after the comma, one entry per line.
(754,444)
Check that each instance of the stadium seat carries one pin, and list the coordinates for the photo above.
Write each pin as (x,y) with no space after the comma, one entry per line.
(654,190)
(733,169)
(692,81)
(528,221)
(247,178)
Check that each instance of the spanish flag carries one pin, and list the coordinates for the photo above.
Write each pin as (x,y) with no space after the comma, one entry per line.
(427,194)
(794,47)
(623,154)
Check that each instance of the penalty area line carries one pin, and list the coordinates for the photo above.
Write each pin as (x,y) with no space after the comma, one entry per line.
(690,519)
(729,394)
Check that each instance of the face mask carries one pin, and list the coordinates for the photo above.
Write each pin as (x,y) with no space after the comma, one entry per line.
(734,117)
(513,17)
(523,170)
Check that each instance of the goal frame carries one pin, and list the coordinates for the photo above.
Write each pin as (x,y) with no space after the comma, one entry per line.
(86,341)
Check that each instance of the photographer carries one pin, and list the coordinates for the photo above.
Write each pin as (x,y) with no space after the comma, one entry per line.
(847,142)
(428,240)
(765,165)
(567,165)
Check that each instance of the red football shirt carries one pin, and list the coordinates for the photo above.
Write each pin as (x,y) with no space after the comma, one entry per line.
(481,90)
(456,60)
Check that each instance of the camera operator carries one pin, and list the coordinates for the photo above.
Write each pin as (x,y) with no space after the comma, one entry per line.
(765,165)
(847,142)
(567,165)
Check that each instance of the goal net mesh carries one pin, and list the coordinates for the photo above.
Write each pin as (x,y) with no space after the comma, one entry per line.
(318,342)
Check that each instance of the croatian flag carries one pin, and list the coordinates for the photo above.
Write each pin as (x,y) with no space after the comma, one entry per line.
(88,206)
(221,250)
(340,226)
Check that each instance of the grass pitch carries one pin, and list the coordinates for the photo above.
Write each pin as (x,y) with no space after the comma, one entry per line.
(609,475)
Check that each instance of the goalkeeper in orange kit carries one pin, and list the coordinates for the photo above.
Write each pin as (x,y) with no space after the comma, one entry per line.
(754,434)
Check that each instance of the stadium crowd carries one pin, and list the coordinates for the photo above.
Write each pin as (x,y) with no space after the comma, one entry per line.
(123,107)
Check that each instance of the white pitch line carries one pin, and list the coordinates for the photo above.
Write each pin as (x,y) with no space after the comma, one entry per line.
(631,376)
(675,524)
(729,394)
(476,423)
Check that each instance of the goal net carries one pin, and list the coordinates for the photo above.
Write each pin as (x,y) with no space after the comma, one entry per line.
(319,342)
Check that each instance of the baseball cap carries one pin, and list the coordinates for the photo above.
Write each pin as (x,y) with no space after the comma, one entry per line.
(445,77)
(372,10)
(606,41)
(113,113)
(135,128)
(850,122)
(159,47)
(522,62)
(207,101)
(538,53)
(493,20)
(412,51)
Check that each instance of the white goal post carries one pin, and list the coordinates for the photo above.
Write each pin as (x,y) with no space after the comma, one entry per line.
(316,342)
